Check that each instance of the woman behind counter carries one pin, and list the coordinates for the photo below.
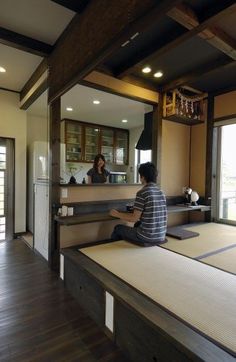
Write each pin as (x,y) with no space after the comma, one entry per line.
(98,173)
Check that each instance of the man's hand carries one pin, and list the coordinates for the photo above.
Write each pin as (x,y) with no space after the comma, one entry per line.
(114,213)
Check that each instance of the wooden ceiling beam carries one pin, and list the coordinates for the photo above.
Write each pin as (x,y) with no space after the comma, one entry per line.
(77,6)
(213,35)
(25,43)
(35,86)
(112,24)
(194,27)
(196,73)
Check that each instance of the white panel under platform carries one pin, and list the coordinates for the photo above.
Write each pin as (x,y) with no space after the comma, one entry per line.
(41,217)
(62,266)
(109,311)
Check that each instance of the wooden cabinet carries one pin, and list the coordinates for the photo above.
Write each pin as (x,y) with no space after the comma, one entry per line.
(84,141)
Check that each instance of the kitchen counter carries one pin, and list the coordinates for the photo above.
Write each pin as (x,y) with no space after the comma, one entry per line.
(104,216)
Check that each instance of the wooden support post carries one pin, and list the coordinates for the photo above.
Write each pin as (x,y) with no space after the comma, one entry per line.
(157,136)
(209,155)
(55,122)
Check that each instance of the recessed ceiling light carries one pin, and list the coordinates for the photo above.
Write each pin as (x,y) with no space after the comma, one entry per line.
(69,109)
(2,70)
(124,120)
(146,69)
(158,74)
(96,101)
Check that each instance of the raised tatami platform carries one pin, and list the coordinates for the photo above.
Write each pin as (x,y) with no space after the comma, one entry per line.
(215,245)
(200,295)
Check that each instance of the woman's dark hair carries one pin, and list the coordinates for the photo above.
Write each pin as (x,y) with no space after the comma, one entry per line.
(148,171)
(95,164)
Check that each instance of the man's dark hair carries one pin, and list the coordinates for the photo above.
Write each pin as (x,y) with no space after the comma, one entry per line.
(148,171)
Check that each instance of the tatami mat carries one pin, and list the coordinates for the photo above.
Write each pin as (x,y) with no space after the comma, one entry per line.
(225,260)
(212,237)
(183,286)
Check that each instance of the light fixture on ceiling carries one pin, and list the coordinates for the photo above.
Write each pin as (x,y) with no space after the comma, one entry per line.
(69,109)
(96,101)
(158,74)
(146,69)
(124,121)
(2,70)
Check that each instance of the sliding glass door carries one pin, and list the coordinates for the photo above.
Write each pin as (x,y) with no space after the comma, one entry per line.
(6,188)
(227,174)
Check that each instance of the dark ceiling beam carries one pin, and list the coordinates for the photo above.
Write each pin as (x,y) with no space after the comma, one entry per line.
(35,86)
(213,35)
(77,6)
(220,63)
(112,23)
(25,43)
(149,55)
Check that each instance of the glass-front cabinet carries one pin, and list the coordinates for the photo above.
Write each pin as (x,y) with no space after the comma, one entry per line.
(84,141)
(73,141)
(91,143)
(121,149)
(107,144)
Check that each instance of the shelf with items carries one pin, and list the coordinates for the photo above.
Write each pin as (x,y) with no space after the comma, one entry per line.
(184,106)
(93,139)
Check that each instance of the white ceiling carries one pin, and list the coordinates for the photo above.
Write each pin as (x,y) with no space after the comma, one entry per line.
(43,20)
(109,112)
(19,67)
(39,19)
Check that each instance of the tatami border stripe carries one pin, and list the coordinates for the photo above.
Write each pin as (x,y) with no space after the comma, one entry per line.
(218,251)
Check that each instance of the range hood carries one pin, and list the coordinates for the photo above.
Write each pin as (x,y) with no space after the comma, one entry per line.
(145,140)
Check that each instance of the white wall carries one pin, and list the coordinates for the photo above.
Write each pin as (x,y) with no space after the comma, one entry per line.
(13,125)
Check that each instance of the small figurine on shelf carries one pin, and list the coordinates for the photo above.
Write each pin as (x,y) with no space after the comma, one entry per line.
(194,198)
(187,192)
(83,182)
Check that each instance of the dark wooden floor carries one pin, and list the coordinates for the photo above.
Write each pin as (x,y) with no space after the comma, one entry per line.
(39,320)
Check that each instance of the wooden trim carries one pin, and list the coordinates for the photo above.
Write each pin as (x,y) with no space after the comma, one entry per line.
(25,43)
(224,118)
(35,86)
(209,154)
(120,87)
(54,191)
(9,90)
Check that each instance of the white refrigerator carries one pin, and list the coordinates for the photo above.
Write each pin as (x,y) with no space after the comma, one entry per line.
(38,195)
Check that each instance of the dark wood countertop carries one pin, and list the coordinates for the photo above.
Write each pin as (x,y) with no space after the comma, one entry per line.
(104,216)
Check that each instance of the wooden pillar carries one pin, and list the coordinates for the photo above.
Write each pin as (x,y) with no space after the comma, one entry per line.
(157,136)
(211,151)
(55,140)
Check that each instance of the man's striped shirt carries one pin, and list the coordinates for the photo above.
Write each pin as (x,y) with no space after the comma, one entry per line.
(151,202)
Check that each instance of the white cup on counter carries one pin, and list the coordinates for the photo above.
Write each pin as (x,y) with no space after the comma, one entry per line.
(64,210)
(70,211)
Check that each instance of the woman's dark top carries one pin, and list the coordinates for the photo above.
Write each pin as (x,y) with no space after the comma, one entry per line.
(98,178)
